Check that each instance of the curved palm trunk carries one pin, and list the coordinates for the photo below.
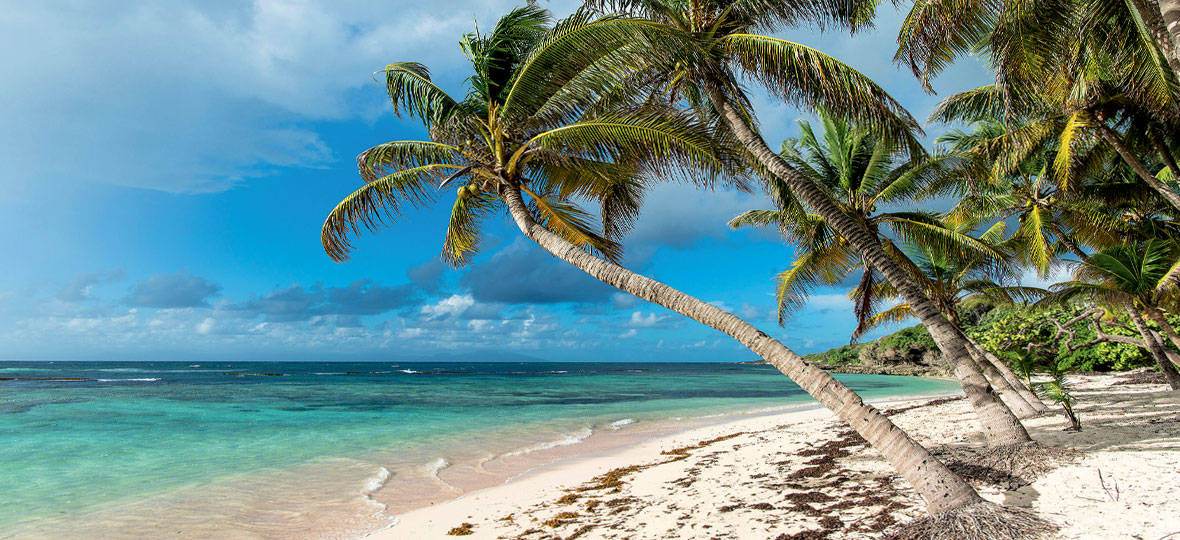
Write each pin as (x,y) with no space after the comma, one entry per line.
(1010,376)
(1157,317)
(1170,12)
(1136,165)
(1156,348)
(1008,392)
(941,488)
(1152,14)
(1000,426)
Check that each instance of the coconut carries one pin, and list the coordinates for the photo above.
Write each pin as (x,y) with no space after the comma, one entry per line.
(462,192)
(473,189)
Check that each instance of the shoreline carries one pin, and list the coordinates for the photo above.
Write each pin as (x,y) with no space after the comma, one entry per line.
(577,462)
(345,496)
(799,474)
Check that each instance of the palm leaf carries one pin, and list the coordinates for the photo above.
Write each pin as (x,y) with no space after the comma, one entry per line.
(574,225)
(806,76)
(374,203)
(412,92)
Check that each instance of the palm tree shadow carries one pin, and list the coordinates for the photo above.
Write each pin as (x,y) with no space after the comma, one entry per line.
(1114,419)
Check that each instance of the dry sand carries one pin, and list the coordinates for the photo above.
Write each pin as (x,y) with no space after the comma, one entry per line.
(803,475)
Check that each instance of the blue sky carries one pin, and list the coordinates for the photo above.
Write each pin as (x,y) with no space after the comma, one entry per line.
(168,167)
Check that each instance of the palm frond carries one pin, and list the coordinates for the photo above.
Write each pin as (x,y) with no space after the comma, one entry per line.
(463,230)
(373,204)
(393,156)
(574,225)
(413,93)
(808,77)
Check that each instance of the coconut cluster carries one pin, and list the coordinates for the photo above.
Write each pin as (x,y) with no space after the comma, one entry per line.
(468,191)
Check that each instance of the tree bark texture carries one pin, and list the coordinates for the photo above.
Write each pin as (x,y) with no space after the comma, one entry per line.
(1156,348)
(1015,400)
(1170,12)
(1014,381)
(1136,165)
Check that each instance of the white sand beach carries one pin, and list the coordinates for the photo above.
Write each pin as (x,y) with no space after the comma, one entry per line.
(802,475)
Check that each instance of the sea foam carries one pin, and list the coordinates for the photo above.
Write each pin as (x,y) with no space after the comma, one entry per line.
(572,438)
(620,423)
(374,483)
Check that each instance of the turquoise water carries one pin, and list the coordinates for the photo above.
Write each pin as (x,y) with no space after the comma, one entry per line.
(128,431)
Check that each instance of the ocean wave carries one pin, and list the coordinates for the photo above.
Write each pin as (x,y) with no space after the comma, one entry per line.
(374,483)
(433,469)
(573,438)
(410,371)
(620,423)
(146,379)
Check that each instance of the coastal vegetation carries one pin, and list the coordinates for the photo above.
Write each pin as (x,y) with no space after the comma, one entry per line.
(1065,163)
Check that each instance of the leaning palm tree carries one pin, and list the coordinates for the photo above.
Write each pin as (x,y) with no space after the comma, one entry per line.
(954,280)
(540,131)
(1131,277)
(859,171)
(727,48)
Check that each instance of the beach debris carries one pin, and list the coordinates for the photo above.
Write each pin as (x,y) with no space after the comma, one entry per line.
(569,498)
(980,521)
(560,519)
(466,529)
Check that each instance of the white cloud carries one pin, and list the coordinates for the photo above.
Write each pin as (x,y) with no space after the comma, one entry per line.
(452,306)
(630,334)
(1057,274)
(195,96)
(651,320)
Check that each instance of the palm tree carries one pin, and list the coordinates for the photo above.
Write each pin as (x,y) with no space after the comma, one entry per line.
(722,36)
(1131,277)
(1049,219)
(540,121)
(1081,70)
(1020,36)
(953,281)
(859,171)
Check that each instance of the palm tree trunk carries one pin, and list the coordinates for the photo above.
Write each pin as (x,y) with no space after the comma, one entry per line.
(1153,18)
(1170,12)
(1158,318)
(1156,348)
(1000,426)
(1165,153)
(1015,401)
(1071,245)
(1136,165)
(941,488)
(1013,380)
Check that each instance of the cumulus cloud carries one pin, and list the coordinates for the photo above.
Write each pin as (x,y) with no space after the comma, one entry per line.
(679,216)
(427,275)
(830,302)
(523,273)
(651,320)
(179,290)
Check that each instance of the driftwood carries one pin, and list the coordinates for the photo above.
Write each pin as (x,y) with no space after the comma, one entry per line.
(1094,317)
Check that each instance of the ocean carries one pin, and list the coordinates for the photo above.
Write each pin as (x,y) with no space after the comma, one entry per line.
(309,450)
